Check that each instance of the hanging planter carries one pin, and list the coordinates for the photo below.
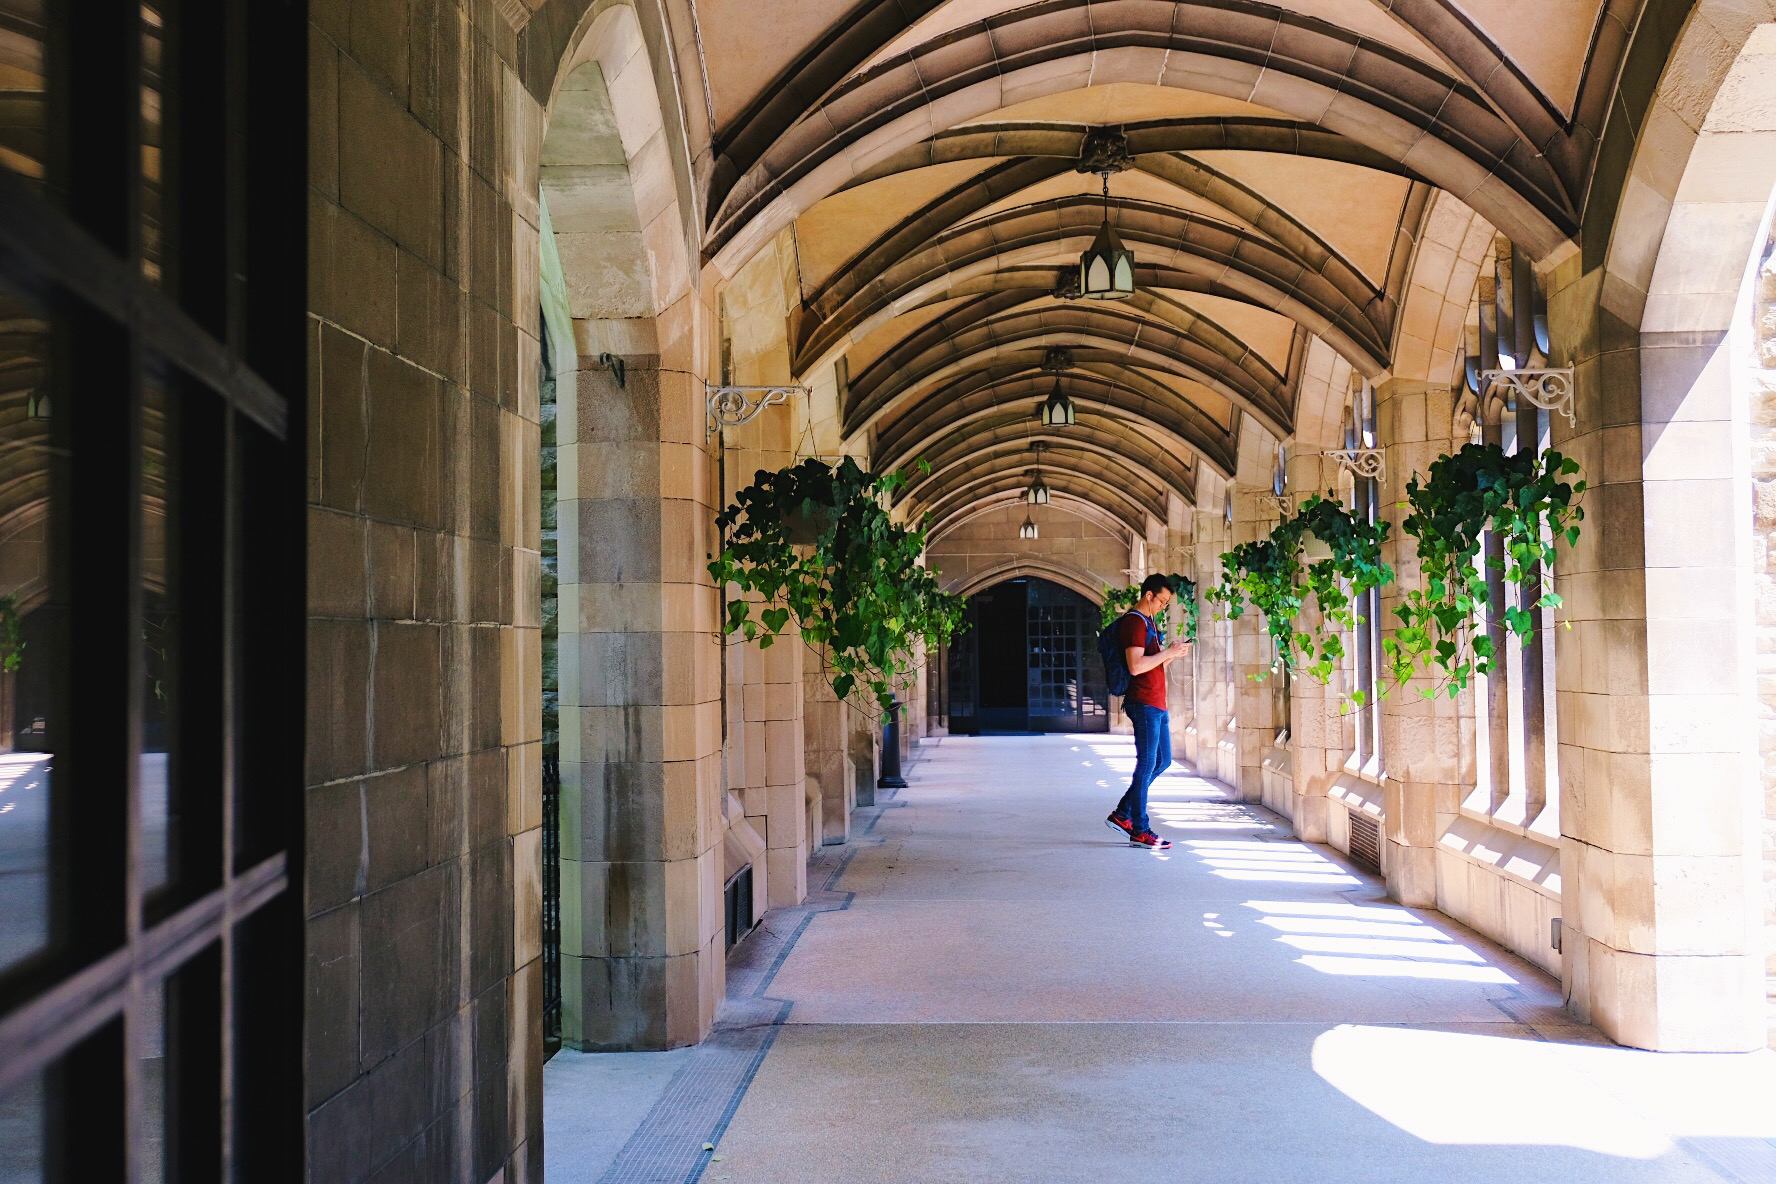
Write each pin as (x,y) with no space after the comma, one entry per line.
(1279,574)
(1118,601)
(1314,549)
(804,525)
(816,546)
(1522,498)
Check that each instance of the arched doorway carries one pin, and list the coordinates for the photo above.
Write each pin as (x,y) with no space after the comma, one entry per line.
(1028,662)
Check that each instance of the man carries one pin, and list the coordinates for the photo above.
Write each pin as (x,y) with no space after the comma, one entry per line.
(1145,705)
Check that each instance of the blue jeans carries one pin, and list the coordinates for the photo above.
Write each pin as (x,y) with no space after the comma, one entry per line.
(1153,756)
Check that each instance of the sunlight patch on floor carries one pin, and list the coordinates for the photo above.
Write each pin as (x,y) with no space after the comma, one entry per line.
(1255,860)
(1452,1087)
(1374,942)
(1381,947)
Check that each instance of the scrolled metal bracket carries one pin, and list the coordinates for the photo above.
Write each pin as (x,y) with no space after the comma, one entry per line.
(731,406)
(1551,390)
(1282,504)
(1358,462)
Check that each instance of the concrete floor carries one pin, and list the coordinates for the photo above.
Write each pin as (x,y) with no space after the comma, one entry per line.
(1014,994)
(593,1103)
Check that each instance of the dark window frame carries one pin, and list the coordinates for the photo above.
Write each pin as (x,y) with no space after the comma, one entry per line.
(224,330)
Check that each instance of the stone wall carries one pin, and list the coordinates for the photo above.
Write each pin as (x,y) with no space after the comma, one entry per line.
(1083,555)
(424,724)
(767,764)
(1762,382)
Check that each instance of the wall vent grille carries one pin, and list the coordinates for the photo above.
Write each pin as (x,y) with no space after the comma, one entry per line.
(1365,844)
(737,897)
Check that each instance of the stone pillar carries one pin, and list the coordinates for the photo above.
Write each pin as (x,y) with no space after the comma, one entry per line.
(1212,730)
(1320,726)
(913,722)
(1762,383)
(641,867)
(1176,558)
(1426,743)
(1657,728)
(826,733)
(1255,515)
(865,750)
(767,766)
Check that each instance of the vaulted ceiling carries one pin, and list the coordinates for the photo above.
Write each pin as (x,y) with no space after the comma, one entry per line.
(932,160)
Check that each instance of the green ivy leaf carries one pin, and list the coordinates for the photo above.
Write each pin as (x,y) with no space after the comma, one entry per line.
(857,595)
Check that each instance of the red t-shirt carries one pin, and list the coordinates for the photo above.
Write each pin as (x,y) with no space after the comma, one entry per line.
(1149,687)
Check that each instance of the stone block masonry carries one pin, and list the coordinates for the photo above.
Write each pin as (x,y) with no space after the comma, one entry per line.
(424,729)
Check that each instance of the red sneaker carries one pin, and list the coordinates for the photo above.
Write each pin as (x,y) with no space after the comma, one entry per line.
(1150,841)
(1118,823)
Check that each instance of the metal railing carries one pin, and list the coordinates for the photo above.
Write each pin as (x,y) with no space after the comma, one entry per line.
(551,905)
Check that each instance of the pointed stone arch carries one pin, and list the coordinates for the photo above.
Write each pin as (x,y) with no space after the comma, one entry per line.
(1437,125)
(1173,249)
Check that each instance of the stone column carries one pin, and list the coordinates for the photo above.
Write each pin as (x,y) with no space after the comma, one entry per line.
(826,730)
(1320,726)
(642,952)
(1426,743)
(1255,515)
(865,748)
(1762,383)
(767,765)
(1657,732)
(1213,728)
(1177,558)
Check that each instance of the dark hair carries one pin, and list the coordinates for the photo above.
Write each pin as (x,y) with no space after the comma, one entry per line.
(1154,584)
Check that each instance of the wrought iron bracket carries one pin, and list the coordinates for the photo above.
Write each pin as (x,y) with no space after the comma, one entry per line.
(731,406)
(1551,390)
(1358,462)
(1281,503)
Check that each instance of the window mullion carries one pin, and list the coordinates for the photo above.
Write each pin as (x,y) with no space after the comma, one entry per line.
(1535,758)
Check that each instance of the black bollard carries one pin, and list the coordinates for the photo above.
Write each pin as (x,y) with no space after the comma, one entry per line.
(891,778)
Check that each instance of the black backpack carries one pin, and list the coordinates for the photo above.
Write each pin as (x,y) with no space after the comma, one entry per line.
(1110,647)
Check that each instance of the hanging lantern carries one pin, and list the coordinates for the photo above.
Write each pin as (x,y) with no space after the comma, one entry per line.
(1028,529)
(1107,269)
(37,405)
(1037,494)
(1058,411)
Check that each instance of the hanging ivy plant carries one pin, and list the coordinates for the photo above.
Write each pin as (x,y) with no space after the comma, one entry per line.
(1272,576)
(815,544)
(1118,601)
(12,645)
(1525,499)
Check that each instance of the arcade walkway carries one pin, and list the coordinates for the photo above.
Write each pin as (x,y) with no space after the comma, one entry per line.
(997,989)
